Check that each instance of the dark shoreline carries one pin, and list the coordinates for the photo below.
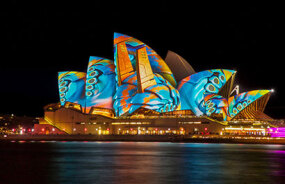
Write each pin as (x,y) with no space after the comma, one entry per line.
(138,138)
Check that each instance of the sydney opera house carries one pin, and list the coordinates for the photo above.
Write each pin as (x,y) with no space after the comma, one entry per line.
(141,93)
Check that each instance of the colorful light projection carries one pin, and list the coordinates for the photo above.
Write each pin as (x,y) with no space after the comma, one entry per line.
(72,87)
(161,97)
(229,108)
(158,65)
(216,104)
(139,78)
(238,102)
(141,88)
(193,89)
(277,132)
(100,83)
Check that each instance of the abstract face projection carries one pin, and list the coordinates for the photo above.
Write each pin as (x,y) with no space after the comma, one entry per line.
(140,88)
(100,83)
(72,87)
(194,88)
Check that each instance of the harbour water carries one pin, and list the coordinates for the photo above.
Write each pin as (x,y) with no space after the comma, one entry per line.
(139,162)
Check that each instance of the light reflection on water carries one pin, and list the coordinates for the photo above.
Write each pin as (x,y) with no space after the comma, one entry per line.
(140,162)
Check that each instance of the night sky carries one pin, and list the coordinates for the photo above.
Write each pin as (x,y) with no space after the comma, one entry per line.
(40,39)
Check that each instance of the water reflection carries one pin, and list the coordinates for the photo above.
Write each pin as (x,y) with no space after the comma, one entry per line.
(140,162)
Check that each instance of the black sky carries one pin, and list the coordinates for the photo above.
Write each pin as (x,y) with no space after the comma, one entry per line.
(40,39)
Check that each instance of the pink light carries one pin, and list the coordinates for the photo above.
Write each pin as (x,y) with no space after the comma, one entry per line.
(43,129)
(277,132)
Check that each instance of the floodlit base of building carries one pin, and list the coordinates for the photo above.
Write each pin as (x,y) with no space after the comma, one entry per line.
(73,122)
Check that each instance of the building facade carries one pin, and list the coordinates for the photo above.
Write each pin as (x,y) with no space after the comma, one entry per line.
(140,93)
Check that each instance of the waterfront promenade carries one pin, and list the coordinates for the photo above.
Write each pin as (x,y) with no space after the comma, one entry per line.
(147,138)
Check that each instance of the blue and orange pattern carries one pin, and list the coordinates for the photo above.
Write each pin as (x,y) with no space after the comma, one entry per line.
(72,87)
(162,97)
(194,88)
(216,104)
(158,65)
(100,83)
(106,88)
(238,102)
(232,106)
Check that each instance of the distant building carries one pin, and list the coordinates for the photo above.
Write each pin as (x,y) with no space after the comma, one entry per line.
(10,123)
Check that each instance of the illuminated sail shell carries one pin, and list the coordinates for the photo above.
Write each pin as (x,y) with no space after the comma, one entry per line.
(100,83)
(194,88)
(158,65)
(72,87)
(241,101)
(178,65)
(233,106)
(139,87)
